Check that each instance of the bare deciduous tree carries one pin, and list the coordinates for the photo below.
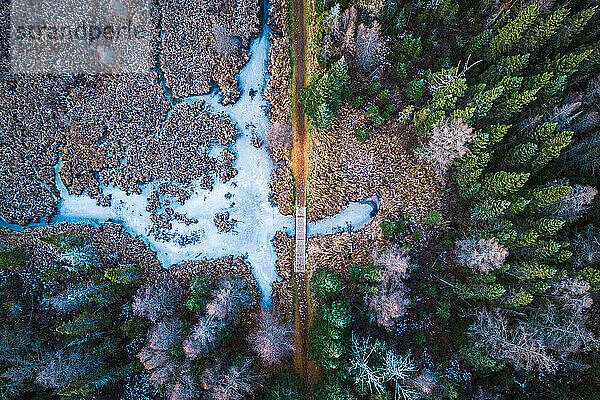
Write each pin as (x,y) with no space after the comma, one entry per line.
(156,299)
(163,375)
(203,338)
(151,358)
(372,375)
(161,338)
(585,246)
(387,304)
(185,388)
(481,255)
(71,298)
(232,383)
(573,296)
(165,334)
(448,142)
(228,300)
(388,301)
(564,333)
(271,341)
(369,46)
(522,346)
(394,261)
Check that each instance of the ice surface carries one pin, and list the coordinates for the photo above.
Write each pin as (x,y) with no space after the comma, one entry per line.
(354,216)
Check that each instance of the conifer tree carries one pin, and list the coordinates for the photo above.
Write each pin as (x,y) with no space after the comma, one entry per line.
(489,291)
(551,149)
(542,132)
(82,324)
(469,168)
(517,205)
(516,102)
(415,90)
(573,26)
(497,132)
(520,154)
(511,33)
(124,274)
(534,271)
(482,102)
(544,28)
(479,42)
(507,66)
(489,209)
(548,226)
(538,81)
(568,63)
(548,195)
(503,183)
(326,282)
(519,298)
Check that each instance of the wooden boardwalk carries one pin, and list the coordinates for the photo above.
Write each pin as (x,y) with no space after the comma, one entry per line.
(300,259)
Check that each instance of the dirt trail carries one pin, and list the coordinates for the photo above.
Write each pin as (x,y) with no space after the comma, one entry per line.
(299,157)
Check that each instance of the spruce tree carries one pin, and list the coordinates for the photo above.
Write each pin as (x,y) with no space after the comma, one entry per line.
(568,63)
(483,102)
(548,195)
(516,102)
(503,183)
(489,209)
(520,154)
(507,66)
(544,28)
(124,274)
(534,271)
(572,27)
(551,149)
(83,324)
(511,33)
(415,90)
(549,226)
(517,205)
(542,132)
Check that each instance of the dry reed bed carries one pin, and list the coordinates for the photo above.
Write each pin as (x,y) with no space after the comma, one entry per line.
(108,240)
(205,42)
(342,170)
(283,291)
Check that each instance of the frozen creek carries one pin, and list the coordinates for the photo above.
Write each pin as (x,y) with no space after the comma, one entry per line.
(258,220)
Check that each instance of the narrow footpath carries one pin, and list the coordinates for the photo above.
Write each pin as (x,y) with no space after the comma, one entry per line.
(299,168)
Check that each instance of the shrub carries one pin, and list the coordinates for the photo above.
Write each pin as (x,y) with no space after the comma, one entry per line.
(199,294)
(361,135)
(13,257)
(326,282)
(389,228)
(433,218)
(415,90)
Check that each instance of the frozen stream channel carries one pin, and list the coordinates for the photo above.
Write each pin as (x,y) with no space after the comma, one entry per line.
(249,202)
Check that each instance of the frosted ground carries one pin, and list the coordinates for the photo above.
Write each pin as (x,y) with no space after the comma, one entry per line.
(249,204)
